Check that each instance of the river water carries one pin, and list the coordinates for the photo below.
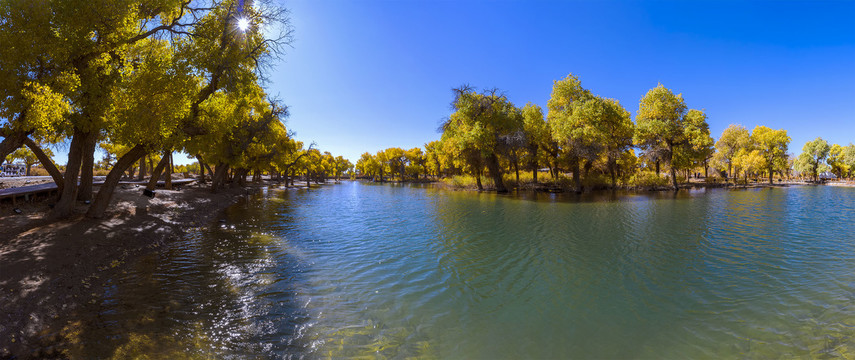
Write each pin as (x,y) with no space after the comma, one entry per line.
(396,271)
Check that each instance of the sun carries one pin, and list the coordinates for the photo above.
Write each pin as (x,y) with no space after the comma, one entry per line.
(243,24)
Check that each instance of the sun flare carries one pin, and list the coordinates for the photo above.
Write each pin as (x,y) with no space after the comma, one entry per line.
(243,24)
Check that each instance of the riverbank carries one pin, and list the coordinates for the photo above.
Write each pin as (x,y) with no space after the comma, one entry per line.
(50,268)
(565,185)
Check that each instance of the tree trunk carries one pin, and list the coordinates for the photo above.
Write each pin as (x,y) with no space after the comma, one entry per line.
(210,172)
(671,165)
(105,194)
(674,178)
(496,173)
(155,174)
(47,162)
(770,175)
(478,180)
(65,206)
(84,193)
(577,178)
(657,167)
(613,172)
(201,169)
(533,163)
(241,177)
(142,173)
(219,176)
(517,171)
(11,143)
(309,184)
(167,181)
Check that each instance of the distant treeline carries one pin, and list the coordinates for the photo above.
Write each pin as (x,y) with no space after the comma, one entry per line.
(595,141)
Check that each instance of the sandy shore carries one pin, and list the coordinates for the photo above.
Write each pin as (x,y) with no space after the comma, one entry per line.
(47,269)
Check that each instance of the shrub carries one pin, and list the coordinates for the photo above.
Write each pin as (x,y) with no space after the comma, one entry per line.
(648,179)
(38,171)
(467,182)
(596,180)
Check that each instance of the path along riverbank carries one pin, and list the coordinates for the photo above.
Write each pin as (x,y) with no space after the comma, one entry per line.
(48,269)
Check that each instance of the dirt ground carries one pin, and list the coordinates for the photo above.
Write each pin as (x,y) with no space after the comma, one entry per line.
(49,268)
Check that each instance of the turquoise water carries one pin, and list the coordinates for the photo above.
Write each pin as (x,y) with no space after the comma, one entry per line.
(391,271)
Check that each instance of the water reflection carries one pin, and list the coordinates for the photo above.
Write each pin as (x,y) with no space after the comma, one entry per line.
(368,270)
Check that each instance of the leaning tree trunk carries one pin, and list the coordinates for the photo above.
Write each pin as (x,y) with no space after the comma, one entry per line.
(201,169)
(84,193)
(155,174)
(11,143)
(46,162)
(167,182)
(211,172)
(65,206)
(105,194)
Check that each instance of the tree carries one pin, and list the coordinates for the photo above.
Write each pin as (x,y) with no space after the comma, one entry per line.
(397,161)
(733,139)
(596,128)
(849,158)
(836,160)
(813,155)
(772,146)
(416,162)
(660,125)
(28,157)
(749,161)
(479,127)
(566,94)
(536,132)
(698,148)
(433,158)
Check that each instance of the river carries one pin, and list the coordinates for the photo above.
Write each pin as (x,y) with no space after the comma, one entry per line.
(395,271)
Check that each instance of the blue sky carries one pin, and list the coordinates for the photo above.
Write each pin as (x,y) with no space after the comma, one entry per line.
(367,75)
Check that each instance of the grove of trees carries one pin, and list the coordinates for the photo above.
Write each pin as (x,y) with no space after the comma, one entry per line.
(594,141)
(146,79)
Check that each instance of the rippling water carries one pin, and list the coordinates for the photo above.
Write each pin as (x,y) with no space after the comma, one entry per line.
(356,270)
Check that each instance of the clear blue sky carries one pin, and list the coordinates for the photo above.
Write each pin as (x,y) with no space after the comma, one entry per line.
(367,75)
